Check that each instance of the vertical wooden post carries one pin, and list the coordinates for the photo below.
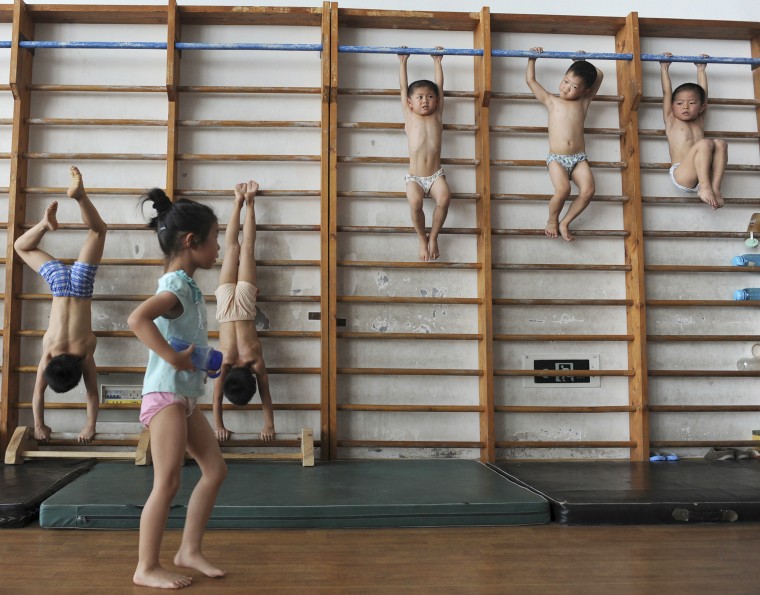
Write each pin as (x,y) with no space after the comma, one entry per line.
(20,79)
(172,92)
(482,86)
(329,226)
(755,49)
(629,84)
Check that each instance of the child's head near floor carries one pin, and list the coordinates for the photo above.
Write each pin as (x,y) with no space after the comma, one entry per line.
(239,385)
(63,372)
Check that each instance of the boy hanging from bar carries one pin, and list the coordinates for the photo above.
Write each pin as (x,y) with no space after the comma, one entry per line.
(422,104)
(567,160)
(68,345)
(698,163)
(243,363)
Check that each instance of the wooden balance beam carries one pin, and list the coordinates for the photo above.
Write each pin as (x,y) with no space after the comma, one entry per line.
(23,445)
(305,440)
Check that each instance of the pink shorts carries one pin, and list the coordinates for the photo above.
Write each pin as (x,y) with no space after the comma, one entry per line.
(152,403)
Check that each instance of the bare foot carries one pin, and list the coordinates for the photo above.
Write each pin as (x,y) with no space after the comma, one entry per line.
(551,229)
(76,187)
(49,219)
(42,433)
(86,435)
(162,579)
(198,562)
(433,252)
(719,202)
(564,231)
(707,196)
(424,254)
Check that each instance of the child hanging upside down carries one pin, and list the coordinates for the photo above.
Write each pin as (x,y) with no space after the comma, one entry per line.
(68,345)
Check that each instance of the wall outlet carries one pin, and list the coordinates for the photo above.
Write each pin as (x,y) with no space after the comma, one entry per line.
(122,394)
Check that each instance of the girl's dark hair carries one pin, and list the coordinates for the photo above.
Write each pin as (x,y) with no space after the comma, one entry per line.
(175,219)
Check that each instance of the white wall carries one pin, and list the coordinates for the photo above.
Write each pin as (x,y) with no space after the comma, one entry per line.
(288,69)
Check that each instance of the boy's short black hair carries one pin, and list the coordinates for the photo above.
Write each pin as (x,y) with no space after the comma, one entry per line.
(239,385)
(690,87)
(63,372)
(584,71)
(420,84)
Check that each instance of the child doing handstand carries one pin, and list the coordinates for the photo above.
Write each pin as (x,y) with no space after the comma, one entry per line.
(567,160)
(187,233)
(422,104)
(698,163)
(236,311)
(68,345)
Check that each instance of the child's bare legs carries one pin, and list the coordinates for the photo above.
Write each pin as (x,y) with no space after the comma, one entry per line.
(696,168)
(247,270)
(168,434)
(229,272)
(202,445)
(92,249)
(26,245)
(561,183)
(441,194)
(415,196)
(584,179)
(720,158)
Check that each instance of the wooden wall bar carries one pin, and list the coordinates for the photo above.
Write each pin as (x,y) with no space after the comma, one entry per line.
(627,33)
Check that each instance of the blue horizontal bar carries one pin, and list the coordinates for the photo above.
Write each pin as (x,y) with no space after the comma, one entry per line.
(161,45)
(701,59)
(281,47)
(569,55)
(365,49)
(118,45)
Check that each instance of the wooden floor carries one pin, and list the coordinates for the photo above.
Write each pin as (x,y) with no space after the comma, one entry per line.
(547,559)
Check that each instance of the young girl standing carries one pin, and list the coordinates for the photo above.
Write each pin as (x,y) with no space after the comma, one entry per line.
(187,233)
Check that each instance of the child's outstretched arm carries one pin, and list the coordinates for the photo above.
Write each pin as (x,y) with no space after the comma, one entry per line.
(403,82)
(222,433)
(702,75)
(667,89)
(41,431)
(90,378)
(438,66)
(597,83)
(530,77)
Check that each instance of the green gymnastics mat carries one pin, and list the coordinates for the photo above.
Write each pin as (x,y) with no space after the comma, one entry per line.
(411,493)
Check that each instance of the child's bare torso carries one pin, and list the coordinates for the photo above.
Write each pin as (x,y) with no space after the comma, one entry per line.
(239,341)
(682,136)
(424,134)
(566,122)
(70,328)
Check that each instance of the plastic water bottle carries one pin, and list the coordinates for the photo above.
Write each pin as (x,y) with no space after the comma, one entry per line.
(746,260)
(749,293)
(748,364)
(204,357)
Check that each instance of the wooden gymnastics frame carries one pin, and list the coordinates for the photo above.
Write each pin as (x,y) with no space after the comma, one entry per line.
(627,32)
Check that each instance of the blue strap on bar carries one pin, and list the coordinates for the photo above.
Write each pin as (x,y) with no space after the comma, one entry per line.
(699,59)
(161,45)
(117,45)
(365,49)
(568,55)
(281,47)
